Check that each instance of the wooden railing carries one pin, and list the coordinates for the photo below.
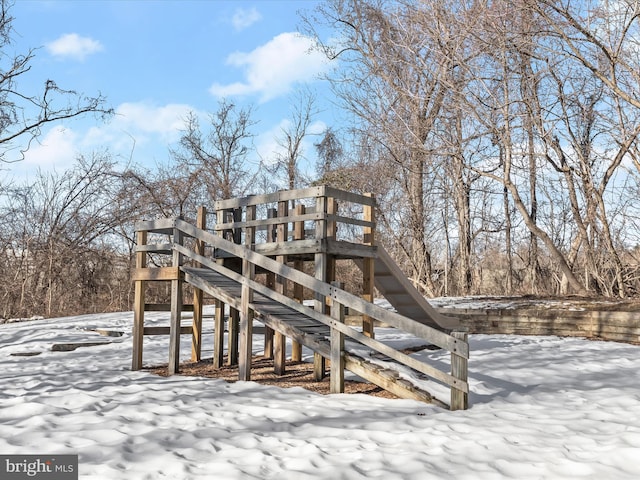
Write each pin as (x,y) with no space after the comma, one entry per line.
(351,222)
(455,343)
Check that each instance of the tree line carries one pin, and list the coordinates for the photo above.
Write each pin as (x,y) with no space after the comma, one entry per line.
(510,132)
(499,137)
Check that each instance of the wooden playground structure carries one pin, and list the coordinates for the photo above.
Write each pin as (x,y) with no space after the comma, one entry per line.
(251,265)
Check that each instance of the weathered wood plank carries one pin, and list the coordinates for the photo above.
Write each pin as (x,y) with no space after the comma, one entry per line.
(344,249)
(155,274)
(399,387)
(298,290)
(402,358)
(246,314)
(265,222)
(165,307)
(159,225)
(198,294)
(184,330)
(459,370)
(311,341)
(349,196)
(283,195)
(378,346)
(296,247)
(138,306)
(164,248)
(337,351)
(368,271)
(218,334)
(176,308)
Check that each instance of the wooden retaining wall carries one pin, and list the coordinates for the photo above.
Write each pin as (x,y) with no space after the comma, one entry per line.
(604,325)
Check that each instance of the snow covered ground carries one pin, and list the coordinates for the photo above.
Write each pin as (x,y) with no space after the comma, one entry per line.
(541,407)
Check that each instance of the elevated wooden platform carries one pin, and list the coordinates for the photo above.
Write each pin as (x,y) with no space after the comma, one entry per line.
(254,266)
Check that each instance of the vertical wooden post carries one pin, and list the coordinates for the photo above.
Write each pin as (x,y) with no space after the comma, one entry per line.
(298,290)
(336,380)
(138,305)
(271,282)
(320,260)
(459,369)
(368,278)
(234,317)
(280,341)
(218,335)
(332,230)
(176,309)
(232,336)
(218,328)
(246,315)
(196,335)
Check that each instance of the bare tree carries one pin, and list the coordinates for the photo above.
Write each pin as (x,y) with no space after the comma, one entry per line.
(218,157)
(24,114)
(61,244)
(291,137)
(392,77)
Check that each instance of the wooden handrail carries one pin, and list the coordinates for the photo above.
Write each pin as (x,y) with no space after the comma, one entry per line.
(288,195)
(456,343)
(329,321)
(436,337)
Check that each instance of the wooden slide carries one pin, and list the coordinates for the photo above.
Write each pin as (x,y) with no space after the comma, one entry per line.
(398,290)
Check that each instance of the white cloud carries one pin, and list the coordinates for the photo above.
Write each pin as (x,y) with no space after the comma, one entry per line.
(139,127)
(72,45)
(273,68)
(56,149)
(165,120)
(245,18)
(144,129)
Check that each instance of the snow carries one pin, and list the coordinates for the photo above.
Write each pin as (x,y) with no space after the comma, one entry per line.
(541,407)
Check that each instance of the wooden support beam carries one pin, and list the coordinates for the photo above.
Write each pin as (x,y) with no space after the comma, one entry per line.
(138,306)
(233,337)
(459,370)
(298,290)
(218,335)
(319,367)
(246,315)
(280,341)
(332,231)
(176,309)
(165,307)
(271,282)
(368,275)
(337,348)
(234,318)
(155,274)
(196,339)
(184,330)
(320,261)
(218,339)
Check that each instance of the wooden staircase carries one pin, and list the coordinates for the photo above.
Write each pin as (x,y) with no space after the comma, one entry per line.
(225,265)
(306,330)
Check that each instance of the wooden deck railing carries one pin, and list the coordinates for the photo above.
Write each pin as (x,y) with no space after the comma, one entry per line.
(351,221)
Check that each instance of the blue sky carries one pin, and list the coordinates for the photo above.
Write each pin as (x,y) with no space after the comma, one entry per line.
(157,60)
